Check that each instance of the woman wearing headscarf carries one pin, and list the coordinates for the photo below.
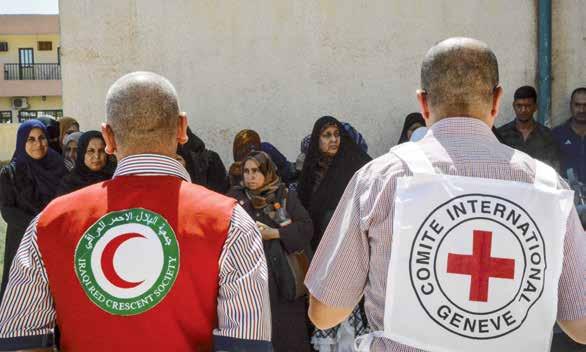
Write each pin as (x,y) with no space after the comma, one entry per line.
(92,164)
(356,136)
(70,149)
(286,228)
(67,126)
(52,132)
(205,167)
(27,185)
(412,122)
(245,141)
(331,160)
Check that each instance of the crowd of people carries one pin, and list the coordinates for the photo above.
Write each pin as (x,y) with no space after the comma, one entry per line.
(291,202)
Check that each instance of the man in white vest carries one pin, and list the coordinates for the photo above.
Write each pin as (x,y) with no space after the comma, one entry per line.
(456,242)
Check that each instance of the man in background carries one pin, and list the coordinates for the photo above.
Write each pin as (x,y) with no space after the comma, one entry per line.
(526,134)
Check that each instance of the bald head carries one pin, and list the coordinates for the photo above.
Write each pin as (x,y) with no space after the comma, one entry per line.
(143,111)
(459,76)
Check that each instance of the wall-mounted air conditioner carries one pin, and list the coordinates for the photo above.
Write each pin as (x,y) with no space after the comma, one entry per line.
(19,103)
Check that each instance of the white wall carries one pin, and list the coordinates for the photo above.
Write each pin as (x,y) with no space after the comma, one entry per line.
(277,65)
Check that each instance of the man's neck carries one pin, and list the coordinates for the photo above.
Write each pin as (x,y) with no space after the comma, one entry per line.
(525,127)
(579,128)
(121,155)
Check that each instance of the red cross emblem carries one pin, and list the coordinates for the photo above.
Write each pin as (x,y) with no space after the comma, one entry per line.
(481,266)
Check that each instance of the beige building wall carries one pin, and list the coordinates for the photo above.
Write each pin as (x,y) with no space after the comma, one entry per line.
(7,140)
(5,104)
(276,66)
(25,31)
(30,41)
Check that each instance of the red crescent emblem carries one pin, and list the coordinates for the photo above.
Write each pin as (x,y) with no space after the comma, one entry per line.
(107,261)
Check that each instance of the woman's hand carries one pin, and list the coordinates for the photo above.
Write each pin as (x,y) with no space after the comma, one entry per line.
(267,232)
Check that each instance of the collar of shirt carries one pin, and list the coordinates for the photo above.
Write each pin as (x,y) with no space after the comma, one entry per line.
(151,165)
(461,127)
(537,127)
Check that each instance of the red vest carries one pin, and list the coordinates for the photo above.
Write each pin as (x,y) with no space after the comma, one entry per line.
(184,316)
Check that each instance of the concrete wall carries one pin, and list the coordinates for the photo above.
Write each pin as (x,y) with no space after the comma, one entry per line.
(7,138)
(568,56)
(276,65)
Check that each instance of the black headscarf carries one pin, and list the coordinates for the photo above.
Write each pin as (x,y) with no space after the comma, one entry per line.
(410,120)
(349,158)
(53,132)
(81,176)
(203,165)
(45,173)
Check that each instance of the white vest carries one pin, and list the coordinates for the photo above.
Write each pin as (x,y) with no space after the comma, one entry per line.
(475,262)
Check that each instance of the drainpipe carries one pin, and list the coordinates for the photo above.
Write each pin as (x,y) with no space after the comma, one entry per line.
(544,61)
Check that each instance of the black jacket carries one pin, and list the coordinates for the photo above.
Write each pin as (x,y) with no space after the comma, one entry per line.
(18,206)
(203,165)
(540,143)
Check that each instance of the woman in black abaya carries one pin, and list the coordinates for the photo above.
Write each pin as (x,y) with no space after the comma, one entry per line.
(331,160)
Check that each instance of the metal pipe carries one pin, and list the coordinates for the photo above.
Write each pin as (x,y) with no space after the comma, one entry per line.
(544,61)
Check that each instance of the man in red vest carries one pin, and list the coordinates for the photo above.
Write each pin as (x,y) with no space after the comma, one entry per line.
(146,261)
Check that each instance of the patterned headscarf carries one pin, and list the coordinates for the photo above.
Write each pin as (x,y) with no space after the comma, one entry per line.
(265,195)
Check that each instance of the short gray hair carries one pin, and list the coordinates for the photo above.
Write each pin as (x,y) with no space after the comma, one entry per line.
(142,108)
(459,74)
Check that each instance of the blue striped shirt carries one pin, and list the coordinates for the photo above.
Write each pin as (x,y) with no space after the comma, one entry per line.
(27,313)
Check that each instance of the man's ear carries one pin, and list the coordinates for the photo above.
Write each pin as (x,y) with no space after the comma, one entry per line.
(424,106)
(182,129)
(109,138)
(497,95)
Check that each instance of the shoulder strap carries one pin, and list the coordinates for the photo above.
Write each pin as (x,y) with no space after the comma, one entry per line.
(414,157)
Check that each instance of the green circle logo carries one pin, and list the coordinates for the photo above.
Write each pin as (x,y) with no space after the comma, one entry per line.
(127,261)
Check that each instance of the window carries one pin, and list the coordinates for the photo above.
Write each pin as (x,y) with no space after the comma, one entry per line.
(45,46)
(5,116)
(3,46)
(24,115)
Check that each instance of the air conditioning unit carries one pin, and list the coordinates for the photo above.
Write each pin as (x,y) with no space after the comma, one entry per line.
(19,103)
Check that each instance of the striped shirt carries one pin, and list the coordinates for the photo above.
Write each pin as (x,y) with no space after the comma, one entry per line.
(27,313)
(353,257)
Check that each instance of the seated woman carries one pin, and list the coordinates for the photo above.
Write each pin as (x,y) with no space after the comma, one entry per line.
(286,228)
(67,126)
(205,167)
(412,122)
(245,141)
(53,131)
(92,164)
(27,185)
(331,160)
(70,149)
